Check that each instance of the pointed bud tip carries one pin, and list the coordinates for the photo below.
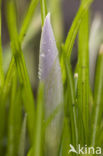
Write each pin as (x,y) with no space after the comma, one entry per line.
(47,19)
(48,15)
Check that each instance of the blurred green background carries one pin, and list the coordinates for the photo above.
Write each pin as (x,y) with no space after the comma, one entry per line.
(62,13)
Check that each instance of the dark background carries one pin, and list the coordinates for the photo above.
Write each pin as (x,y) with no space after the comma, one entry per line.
(70,8)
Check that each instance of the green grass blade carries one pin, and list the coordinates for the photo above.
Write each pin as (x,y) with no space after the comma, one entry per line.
(11,21)
(37,148)
(83,75)
(27,93)
(22,145)
(98,97)
(55,9)
(21,68)
(3,99)
(27,19)
(66,138)
(25,25)
(1,67)
(8,79)
(14,123)
(75,27)
(71,104)
(2,123)
(43,10)
(26,22)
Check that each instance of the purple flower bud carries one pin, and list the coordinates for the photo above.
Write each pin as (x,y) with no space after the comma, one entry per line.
(50,74)
(49,67)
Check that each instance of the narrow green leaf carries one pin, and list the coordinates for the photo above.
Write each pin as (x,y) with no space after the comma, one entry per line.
(25,24)
(75,27)
(22,145)
(14,123)
(83,76)
(8,79)
(3,99)
(1,66)
(21,68)
(66,141)
(98,97)
(43,10)
(27,19)
(72,103)
(57,21)
(37,148)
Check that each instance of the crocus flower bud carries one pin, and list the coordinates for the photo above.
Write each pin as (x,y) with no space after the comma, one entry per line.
(50,74)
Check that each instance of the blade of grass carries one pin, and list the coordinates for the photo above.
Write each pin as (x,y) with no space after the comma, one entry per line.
(37,148)
(8,79)
(99,141)
(21,66)
(14,123)
(1,67)
(22,145)
(25,26)
(83,76)
(27,19)
(98,97)
(75,27)
(72,103)
(66,138)
(74,30)
(57,21)
(2,124)
(66,134)
(27,93)
(3,98)
(43,10)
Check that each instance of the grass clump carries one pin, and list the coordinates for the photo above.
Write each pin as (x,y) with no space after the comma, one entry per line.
(66,112)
